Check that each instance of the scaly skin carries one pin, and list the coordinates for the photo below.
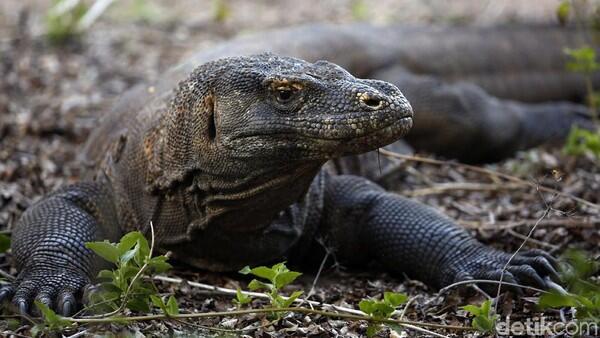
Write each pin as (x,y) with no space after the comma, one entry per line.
(227,166)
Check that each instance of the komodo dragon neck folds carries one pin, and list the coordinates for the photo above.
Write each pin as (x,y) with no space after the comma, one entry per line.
(227,165)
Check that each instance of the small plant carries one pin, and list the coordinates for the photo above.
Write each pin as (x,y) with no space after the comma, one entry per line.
(122,287)
(360,10)
(132,257)
(52,321)
(583,294)
(563,11)
(146,11)
(221,10)
(62,20)
(241,298)
(581,142)
(382,309)
(484,318)
(583,60)
(68,19)
(171,308)
(278,276)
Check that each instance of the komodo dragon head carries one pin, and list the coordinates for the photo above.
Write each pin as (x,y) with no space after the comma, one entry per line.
(249,125)
(271,109)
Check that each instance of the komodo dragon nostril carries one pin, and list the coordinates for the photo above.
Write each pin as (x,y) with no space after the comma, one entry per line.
(373,102)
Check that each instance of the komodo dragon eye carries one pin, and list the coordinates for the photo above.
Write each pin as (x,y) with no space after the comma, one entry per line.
(285,94)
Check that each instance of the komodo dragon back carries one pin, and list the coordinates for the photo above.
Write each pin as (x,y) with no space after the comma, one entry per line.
(516,62)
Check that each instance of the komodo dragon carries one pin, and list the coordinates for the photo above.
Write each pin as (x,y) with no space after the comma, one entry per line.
(227,164)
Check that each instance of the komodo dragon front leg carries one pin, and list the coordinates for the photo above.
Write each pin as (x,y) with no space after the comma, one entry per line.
(49,246)
(365,223)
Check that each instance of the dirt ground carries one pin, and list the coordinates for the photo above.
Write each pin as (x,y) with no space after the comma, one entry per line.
(50,98)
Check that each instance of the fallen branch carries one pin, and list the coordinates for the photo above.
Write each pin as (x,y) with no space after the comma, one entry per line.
(408,324)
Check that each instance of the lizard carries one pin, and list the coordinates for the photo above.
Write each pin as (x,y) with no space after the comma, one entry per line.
(228,164)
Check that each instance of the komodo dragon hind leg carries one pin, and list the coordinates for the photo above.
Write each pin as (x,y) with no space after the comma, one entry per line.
(362,223)
(462,121)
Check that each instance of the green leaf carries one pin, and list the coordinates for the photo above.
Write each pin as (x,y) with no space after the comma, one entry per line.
(139,304)
(258,285)
(158,302)
(129,254)
(4,243)
(553,299)
(110,287)
(12,323)
(52,320)
(60,27)
(563,11)
(105,249)
(159,264)
(242,298)
(285,278)
(383,310)
(221,10)
(172,307)
(367,306)
(484,324)
(245,270)
(129,272)
(105,274)
(37,329)
(397,328)
(581,141)
(279,268)
(472,309)
(484,319)
(144,251)
(486,308)
(360,10)
(128,241)
(394,298)
(583,60)
(291,299)
(373,329)
(263,272)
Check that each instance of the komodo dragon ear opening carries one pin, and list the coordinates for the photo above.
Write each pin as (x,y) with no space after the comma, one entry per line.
(209,103)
